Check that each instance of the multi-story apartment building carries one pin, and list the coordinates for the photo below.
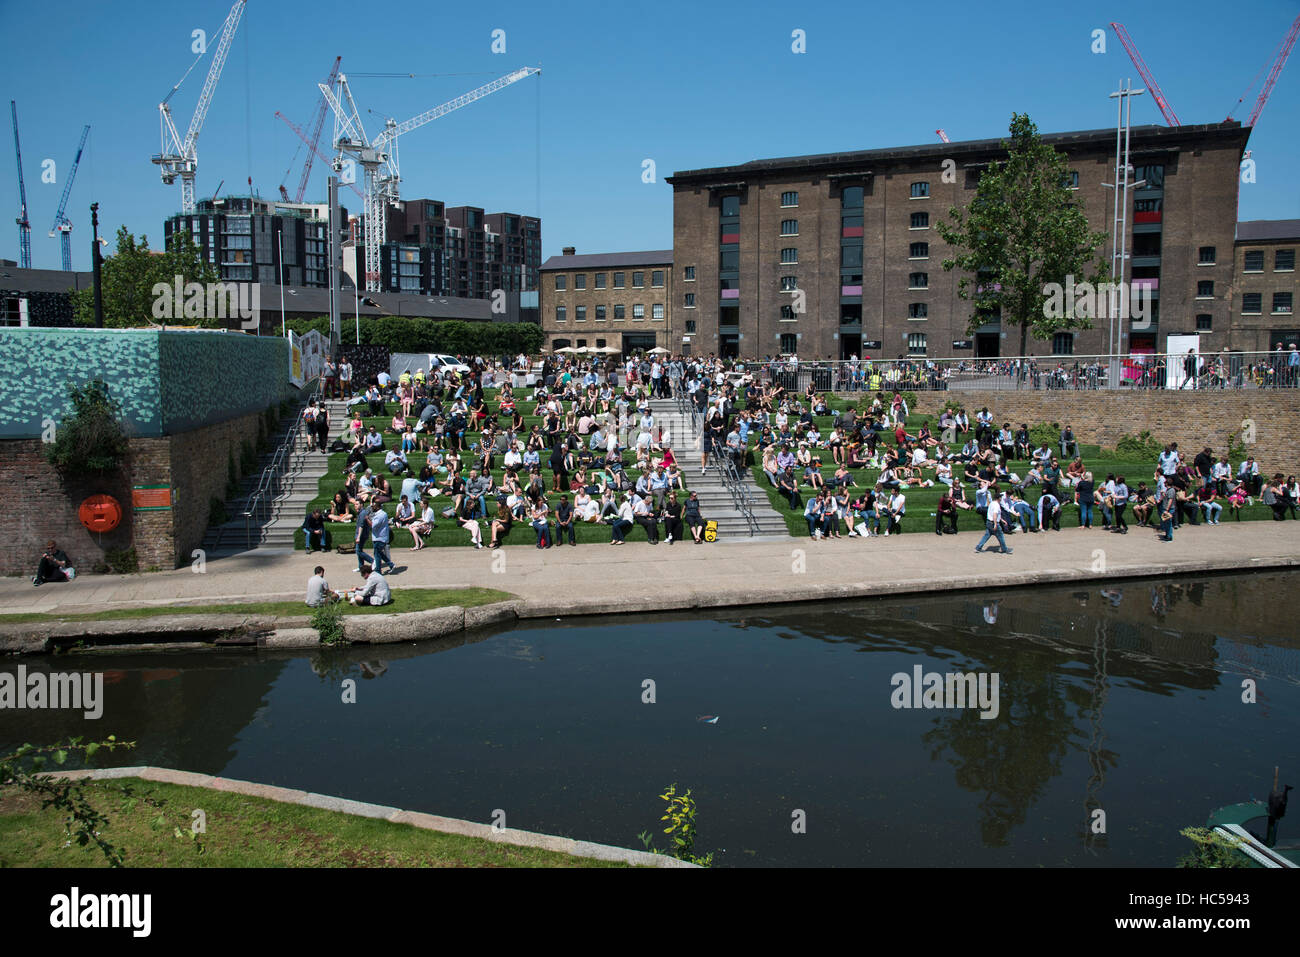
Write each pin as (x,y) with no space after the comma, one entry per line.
(243,237)
(1265,292)
(623,301)
(433,249)
(838,254)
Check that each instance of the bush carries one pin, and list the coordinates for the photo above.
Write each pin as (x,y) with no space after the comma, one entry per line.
(91,437)
(328,621)
(217,514)
(122,561)
(952,405)
(1142,446)
(910,399)
(1044,432)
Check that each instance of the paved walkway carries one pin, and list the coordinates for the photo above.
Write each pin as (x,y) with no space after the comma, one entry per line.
(592,579)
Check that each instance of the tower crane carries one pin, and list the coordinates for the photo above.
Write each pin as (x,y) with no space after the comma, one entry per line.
(1279,61)
(62,225)
(1131,48)
(315,148)
(180,157)
(24,227)
(378,157)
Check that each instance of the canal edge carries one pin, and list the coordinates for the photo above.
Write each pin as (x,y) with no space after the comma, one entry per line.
(419,819)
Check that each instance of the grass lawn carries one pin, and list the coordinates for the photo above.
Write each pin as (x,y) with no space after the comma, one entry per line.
(241,832)
(448,532)
(404,600)
(923,502)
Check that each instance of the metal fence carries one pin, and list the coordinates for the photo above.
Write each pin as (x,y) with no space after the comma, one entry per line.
(1155,371)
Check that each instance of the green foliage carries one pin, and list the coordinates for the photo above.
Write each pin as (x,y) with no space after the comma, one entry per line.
(1045,432)
(328,621)
(1022,230)
(91,437)
(952,405)
(1211,849)
(1141,446)
(454,336)
(128,278)
(680,814)
(910,399)
(21,769)
(122,561)
(217,514)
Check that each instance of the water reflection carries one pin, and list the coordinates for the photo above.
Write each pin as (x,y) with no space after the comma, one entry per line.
(1121,720)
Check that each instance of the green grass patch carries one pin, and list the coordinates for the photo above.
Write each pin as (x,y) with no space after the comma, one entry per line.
(404,600)
(151,823)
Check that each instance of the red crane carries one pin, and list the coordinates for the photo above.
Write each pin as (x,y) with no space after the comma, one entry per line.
(1279,61)
(303,136)
(1131,48)
(315,131)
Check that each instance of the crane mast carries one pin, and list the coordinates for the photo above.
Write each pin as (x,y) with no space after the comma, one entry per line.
(62,225)
(1283,52)
(378,157)
(180,157)
(24,227)
(1131,48)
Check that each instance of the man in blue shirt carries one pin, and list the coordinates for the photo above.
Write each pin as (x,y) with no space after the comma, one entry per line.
(382,534)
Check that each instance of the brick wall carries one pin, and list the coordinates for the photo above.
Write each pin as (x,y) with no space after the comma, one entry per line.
(44,505)
(1193,420)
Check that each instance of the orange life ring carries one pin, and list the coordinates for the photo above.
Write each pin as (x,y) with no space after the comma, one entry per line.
(100,513)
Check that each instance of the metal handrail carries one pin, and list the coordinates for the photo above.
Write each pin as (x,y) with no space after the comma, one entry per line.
(732,480)
(261,501)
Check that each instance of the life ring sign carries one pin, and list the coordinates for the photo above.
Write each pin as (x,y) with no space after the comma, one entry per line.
(100,513)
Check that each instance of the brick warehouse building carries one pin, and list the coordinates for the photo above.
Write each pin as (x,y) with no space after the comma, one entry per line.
(1266,288)
(623,301)
(855,233)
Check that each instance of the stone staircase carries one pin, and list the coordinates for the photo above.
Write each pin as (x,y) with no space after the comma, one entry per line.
(299,485)
(715,500)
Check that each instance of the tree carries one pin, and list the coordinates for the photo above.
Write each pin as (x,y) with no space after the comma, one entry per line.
(90,437)
(129,276)
(1021,234)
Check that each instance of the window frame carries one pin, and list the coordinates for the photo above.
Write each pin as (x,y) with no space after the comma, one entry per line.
(1200,256)
(786,195)
(1277,254)
(911,280)
(912,254)
(1200,287)
(1290,308)
(913,349)
(789,227)
(1245,260)
(579,281)
(793,261)
(923,193)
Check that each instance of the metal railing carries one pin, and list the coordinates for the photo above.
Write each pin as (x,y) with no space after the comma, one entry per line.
(732,478)
(259,507)
(1213,371)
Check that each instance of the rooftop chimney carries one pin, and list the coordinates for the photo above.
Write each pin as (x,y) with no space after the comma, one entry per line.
(569,250)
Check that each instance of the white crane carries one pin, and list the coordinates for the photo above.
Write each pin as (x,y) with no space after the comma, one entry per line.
(180,157)
(378,157)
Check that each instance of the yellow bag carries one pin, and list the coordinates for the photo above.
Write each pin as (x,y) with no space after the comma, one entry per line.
(711,531)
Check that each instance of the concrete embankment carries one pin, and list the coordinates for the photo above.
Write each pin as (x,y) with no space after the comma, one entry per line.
(635,579)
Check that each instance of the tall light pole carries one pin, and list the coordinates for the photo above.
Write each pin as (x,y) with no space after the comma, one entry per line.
(1119,227)
(279,238)
(336,334)
(96,260)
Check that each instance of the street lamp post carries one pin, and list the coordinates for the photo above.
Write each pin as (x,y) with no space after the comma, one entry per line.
(279,237)
(95,261)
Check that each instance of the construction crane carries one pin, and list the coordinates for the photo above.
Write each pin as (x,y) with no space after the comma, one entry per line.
(284,193)
(311,141)
(24,227)
(1279,61)
(1168,111)
(62,225)
(943,136)
(378,157)
(180,157)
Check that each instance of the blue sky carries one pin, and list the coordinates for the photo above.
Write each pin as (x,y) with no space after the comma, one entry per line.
(687,85)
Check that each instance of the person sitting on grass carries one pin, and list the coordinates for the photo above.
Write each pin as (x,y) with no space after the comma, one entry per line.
(814,512)
(340,509)
(897,509)
(319,592)
(541,523)
(314,532)
(398,425)
(375,592)
(946,514)
(812,475)
(501,525)
(395,461)
(1143,502)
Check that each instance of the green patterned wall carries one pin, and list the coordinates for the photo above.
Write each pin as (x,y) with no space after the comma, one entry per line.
(166,382)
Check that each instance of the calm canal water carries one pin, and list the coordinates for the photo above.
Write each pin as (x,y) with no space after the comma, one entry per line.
(1127,699)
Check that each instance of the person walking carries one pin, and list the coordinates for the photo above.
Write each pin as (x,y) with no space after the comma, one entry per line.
(382,533)
(1168,509)
(993,523)
(1120,497)
(363,537)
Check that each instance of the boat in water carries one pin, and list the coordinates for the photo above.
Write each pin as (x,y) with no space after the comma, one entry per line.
(1252,828)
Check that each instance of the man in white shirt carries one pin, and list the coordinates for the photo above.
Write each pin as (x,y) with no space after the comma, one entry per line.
(897,509)
(375,591)
(1169,460)
(993,523)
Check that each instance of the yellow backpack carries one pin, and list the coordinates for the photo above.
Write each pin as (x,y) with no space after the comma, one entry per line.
(711,531)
